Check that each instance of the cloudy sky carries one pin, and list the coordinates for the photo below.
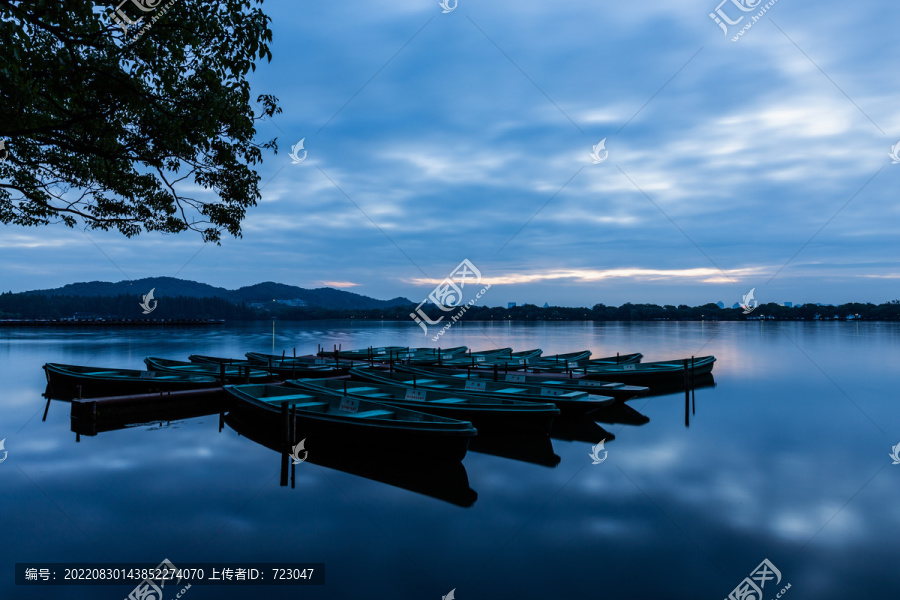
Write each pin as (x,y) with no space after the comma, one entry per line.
(434,137)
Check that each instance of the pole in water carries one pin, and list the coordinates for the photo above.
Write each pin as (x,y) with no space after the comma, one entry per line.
(692,372)
(285,435)
(273,336)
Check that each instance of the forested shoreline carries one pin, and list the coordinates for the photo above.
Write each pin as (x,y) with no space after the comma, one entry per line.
(24,306)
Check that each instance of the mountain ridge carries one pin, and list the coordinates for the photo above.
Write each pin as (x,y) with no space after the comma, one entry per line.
(266,291)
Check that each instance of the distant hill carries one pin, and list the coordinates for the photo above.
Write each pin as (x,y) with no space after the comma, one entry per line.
(260,292)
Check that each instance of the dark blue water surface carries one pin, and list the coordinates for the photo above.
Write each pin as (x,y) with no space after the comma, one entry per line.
(786,458)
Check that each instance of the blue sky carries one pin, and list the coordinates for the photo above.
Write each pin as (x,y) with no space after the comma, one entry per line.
(436,137)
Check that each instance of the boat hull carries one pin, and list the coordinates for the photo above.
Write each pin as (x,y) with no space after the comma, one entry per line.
(363,434)
(520,418)
(654,374)
(64,384)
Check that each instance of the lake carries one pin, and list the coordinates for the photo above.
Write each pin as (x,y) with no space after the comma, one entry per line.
(785,459)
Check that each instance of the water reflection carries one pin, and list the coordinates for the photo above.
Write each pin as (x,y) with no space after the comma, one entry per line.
(535,449)
(584,429)
(620,414)
(447,481)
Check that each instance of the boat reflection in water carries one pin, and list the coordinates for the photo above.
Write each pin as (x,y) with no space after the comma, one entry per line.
(444,480)
(583,429)
(531,448)
(620,414)
(699,382)
(90,417)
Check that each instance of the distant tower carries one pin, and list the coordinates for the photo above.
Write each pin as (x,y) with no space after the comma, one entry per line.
(510,305)
(720,304)
(546,305)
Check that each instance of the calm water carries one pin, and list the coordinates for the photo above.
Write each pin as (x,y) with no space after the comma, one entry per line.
(786,458)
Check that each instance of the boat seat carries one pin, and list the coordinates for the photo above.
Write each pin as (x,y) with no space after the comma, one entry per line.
(103,372)
(447,400)
(438,385)
(512,391)
(308,404)
(371,413)
(378,395)
(357,390)
(289,398)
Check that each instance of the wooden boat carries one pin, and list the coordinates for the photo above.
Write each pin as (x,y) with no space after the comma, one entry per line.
(65,381)
(489,358)
(432,356)
(568,402)
(577,360)
(371,426)
(232,374)
(572,357)
(618,391)
(652,373)
(488,414)
(381,353)
(280,360)
(284,370)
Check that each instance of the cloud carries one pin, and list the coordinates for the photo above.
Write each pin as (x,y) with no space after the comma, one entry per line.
(339,284)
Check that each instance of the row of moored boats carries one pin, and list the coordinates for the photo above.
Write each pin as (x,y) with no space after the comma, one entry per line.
(407,400)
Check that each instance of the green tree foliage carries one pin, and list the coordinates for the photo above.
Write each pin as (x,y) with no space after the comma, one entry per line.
(147,127)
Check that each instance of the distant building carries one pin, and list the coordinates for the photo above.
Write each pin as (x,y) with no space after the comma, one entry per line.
(546,305)
(294,302)
(736,305)
(510,305)
(789,304)
(720,304)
